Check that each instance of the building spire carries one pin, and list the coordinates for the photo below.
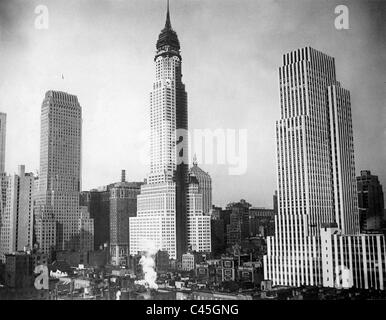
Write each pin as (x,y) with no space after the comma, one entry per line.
(168,39)
(168,24)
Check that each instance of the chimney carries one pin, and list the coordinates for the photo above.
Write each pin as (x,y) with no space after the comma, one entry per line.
(123,176)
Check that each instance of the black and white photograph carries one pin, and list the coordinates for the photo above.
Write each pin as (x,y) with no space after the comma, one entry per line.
(193,150)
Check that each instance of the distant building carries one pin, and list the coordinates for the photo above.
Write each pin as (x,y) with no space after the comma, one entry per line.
(134,264)
(189,260)
(3,190)
(209,271)
(98,258)
(238,227)
(19,270)
(16,228)
(162,261)
(225,215)
(198,224)
(228,268)
(370,201)
(250,273)
(215,212)
(98,204)
(256,247)
(123,205)
(45,232)
(86,231)
(261,222)
(219,217)
(217,236)
(72,258)
(204,186)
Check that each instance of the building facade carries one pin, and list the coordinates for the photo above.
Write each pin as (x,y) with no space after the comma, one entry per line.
(162,261)
(204,186)
(162,221)
(56,205)
(123,206)
(98,203)
(189,261)
(370,202)
(238,227)
(261,222)
(316,169)
(218,236)
(353,260)
(16,228)
(19,270)
(86,230)
(198,224)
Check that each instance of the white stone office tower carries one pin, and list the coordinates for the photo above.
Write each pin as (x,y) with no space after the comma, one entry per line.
(16,228)
(162,206)
(57,210)
(204,186)
(316,171)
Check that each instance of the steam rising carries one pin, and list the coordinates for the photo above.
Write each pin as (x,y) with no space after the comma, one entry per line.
(148,264)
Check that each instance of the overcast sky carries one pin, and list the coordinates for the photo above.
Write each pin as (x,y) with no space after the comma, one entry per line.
(231,52)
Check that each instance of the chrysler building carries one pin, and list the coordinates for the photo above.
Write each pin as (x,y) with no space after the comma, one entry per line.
(167,201)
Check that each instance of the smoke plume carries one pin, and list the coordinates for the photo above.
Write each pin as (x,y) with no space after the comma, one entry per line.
(148,266)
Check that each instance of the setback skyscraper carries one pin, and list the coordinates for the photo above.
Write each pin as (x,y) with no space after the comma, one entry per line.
(316,178)
(370,201)
(57,210)
(163,205)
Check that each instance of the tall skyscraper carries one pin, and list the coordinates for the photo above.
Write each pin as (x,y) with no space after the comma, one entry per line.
(3,128)
(162,218)
(57,209)
(370,201)
(316,171)
(16,228)
(204,186)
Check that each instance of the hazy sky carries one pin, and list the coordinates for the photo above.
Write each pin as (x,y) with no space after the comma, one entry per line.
(231,52)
